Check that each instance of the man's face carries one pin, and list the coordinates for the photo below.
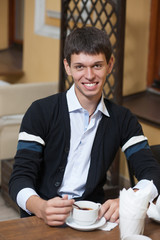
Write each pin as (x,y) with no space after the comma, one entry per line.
(89,74)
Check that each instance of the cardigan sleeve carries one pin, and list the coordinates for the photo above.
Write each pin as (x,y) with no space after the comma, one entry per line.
(30,147)
(137,151)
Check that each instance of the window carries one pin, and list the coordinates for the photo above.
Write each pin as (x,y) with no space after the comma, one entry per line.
(47,21)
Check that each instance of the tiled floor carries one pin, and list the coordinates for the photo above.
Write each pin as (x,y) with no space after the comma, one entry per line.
(7,212)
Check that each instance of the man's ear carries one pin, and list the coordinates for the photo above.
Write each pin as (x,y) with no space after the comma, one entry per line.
(110,65)
(67,67)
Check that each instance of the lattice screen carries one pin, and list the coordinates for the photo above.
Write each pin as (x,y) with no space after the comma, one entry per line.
(107,15)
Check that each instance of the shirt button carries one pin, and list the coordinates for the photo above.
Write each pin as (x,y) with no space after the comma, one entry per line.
(57,184)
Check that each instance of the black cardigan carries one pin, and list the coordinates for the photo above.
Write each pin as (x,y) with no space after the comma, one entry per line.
(43,170)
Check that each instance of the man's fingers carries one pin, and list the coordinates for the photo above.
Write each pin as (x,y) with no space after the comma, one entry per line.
(112,216)
(110,210)
(57,210)
(60,202)
(103,209)
(65,197)
(58,218)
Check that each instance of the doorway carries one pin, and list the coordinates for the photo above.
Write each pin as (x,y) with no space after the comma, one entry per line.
(16,22)
(153,80)
(11,58)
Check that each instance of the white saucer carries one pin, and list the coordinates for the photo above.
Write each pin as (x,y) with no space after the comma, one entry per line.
(92,227)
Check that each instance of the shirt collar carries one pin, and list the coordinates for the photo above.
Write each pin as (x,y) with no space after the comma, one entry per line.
(73,103)
(72,100)
(102,107)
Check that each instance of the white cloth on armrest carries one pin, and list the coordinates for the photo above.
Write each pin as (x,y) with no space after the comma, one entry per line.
(3,83)
(10,120)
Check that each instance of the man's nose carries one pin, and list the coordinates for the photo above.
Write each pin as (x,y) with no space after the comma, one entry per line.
(89,74)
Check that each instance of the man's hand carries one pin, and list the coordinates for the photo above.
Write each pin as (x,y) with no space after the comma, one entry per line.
(54,212)
(110,210)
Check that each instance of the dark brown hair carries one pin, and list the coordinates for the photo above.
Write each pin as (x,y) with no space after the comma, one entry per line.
(89,40)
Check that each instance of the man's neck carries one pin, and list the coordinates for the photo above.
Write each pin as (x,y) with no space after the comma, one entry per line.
(90,104)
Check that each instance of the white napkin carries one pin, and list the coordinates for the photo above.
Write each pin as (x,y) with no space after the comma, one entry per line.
(108,226)
(133,209)
(154,210)
(158,204)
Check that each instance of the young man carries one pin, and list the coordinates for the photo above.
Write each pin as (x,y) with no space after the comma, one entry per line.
(68,141)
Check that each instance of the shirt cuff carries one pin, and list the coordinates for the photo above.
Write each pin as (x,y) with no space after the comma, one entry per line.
(23,196)
(143,183)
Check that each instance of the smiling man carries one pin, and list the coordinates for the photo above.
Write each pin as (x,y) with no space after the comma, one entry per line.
(68,141)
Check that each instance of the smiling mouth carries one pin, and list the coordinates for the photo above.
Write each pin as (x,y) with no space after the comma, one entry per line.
(90,84)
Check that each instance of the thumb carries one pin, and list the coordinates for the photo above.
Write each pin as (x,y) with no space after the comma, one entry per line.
(65,197)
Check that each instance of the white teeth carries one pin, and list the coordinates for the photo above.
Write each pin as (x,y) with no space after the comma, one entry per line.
(90,84)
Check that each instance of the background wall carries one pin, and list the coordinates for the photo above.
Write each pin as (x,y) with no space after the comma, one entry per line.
(136,45)
(3,24)
(41,54)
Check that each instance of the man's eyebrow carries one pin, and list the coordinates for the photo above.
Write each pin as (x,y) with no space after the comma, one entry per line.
(80,63)
(97,62)
(77,63)
(101,61)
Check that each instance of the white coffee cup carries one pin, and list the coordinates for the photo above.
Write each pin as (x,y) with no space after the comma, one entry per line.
(137,237)
(88,215)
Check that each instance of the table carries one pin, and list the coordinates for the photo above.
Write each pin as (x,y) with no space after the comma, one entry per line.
(33,228)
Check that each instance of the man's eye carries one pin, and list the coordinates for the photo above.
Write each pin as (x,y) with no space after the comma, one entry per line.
(98,66)
(80,67)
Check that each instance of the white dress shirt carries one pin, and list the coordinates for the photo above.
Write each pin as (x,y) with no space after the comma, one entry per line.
(82,136)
